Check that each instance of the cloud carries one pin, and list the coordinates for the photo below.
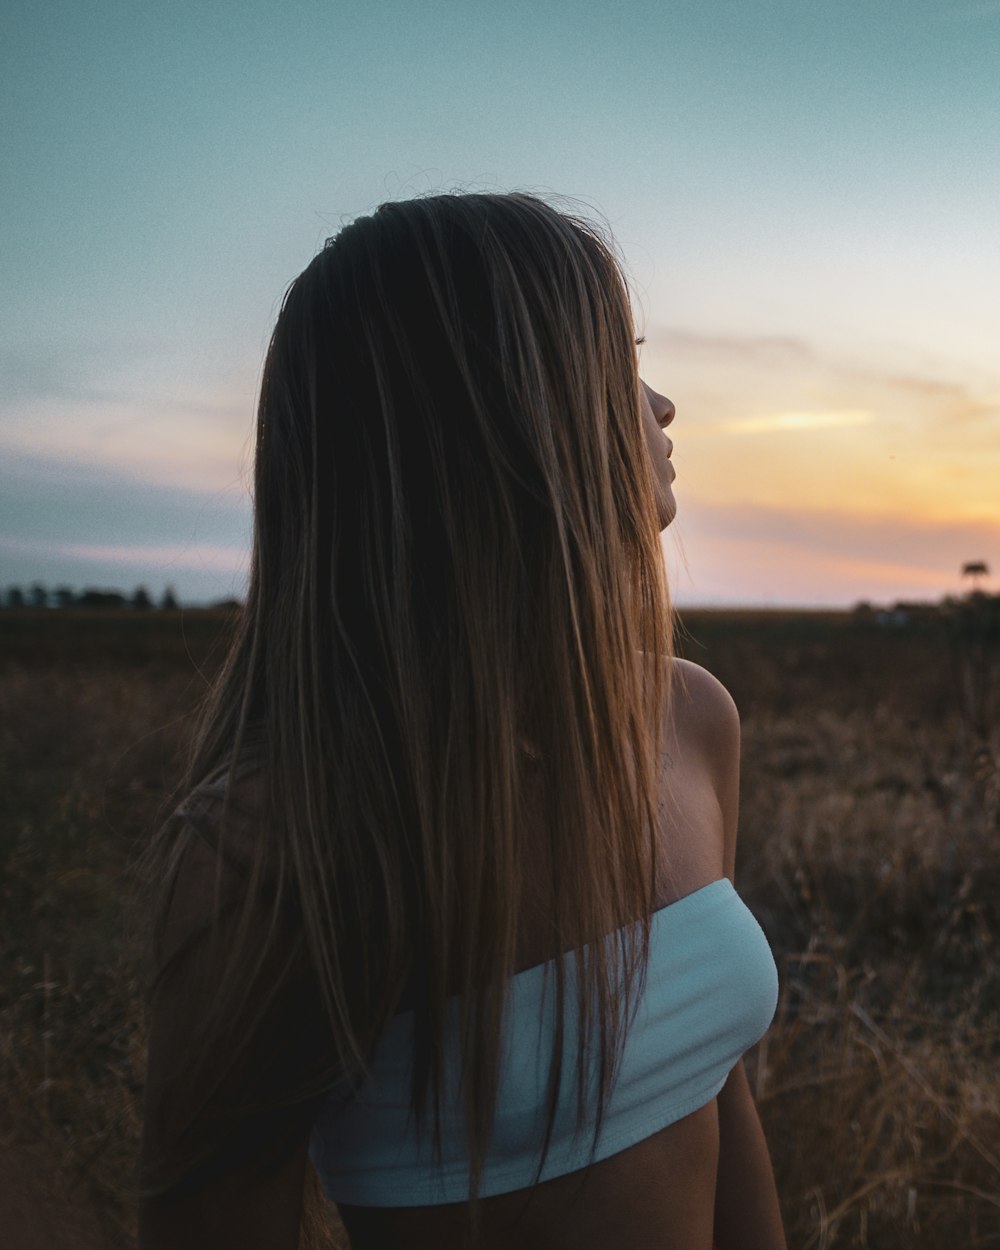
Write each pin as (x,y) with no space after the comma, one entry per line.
(181,443)
(959,401)
(63,521)
(124,404)
(200,556)
(742,347)
(749,554)
(796,421)
(896,541)
(54,501)
(39,374)
(751,350)
(750,384)
(65,370)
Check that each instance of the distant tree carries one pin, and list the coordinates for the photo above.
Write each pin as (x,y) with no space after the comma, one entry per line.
(101,599)
(975,569)
(39,596)
(141,602)
(227,605)
(169,601)
(15,597)
(864,612)
(64,596)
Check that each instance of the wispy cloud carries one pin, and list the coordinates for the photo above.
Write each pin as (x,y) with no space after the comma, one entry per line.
(747,553)
(783,423)
(899,541)
(741,347)
(797,421)
(810,365)
(114,376)
(50,501)
(124,405)
(67,522)
(180,443)
(201,556)
(960,402)
(66,370)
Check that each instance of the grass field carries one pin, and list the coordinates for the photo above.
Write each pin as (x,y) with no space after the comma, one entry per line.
(870,823)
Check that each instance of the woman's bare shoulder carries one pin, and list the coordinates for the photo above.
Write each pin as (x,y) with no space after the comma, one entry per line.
(233,838)
(702,698)
(705,713)
(699,710)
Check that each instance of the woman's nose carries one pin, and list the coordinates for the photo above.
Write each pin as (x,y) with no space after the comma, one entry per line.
(663,410)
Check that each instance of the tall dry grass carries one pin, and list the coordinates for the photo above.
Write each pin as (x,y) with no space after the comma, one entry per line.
(868,850)
(870,820)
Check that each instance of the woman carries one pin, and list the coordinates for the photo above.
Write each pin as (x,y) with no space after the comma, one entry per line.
(446,910)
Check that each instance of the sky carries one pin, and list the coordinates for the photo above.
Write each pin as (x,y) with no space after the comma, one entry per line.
(805,194)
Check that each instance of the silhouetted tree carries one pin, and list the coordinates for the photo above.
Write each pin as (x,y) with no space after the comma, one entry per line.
(864,612)
(101,599)
(39,596)
(15,597)
(169,601)
(141,601)
(64,596)
(975,569)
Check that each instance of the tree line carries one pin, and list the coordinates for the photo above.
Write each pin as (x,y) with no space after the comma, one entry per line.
(39,596)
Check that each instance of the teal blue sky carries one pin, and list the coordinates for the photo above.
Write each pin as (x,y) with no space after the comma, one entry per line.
(806,195)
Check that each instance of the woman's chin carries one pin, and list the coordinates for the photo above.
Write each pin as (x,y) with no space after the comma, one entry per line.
(667,510)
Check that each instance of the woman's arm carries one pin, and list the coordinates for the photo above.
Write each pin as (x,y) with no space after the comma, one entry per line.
(747,1216)
(241,1211)
(247,1192)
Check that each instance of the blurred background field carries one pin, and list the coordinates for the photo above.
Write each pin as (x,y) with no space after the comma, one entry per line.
(870,820)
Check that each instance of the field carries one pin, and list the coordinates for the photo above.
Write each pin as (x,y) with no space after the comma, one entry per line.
(870,824)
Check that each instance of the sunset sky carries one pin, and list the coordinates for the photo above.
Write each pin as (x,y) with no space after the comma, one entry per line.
(807,196)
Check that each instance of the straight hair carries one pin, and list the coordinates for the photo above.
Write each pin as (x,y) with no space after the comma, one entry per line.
(457,605)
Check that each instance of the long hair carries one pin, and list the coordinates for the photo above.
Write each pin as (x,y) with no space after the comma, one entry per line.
(457,597)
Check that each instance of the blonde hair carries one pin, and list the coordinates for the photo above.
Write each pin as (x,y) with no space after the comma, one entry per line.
(455,553)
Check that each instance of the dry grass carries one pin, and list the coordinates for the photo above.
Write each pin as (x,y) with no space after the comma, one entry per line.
(868,850)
